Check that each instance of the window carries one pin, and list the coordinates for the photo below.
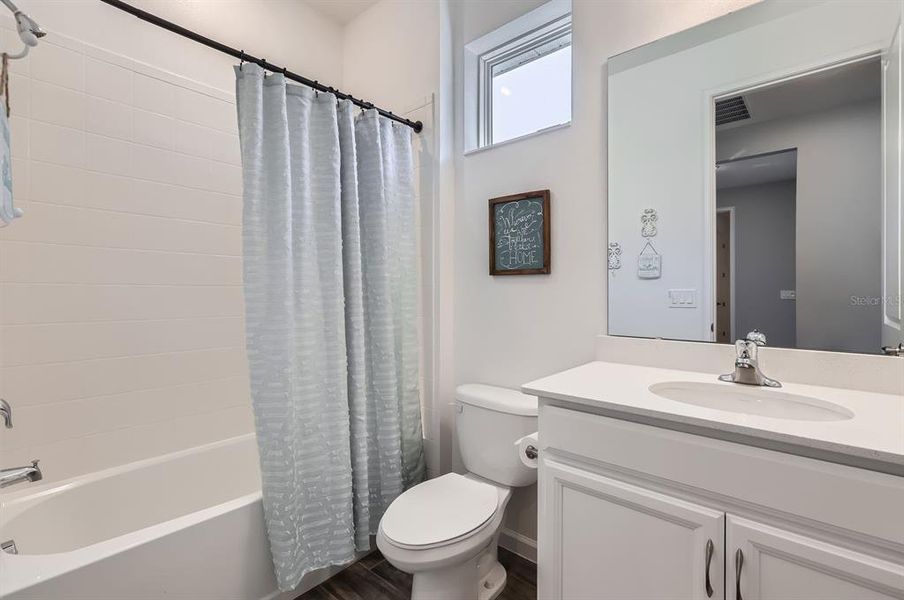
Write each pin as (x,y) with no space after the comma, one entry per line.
(531,96)
(520,76)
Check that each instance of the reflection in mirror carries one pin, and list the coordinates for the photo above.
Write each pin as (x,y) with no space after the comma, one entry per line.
(776,201)
(799,210)
(756,213)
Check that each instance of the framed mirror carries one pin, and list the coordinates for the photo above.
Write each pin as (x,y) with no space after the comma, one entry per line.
(755,179)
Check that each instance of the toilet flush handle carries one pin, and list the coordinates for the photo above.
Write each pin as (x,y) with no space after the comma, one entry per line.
(531,452)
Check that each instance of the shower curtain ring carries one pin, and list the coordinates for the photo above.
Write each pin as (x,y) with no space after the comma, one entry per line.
(241,58)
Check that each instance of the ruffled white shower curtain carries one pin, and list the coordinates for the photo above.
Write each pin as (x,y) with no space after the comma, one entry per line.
(331,311)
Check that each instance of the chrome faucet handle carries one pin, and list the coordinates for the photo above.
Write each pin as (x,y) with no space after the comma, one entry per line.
(757,337)
(7,413)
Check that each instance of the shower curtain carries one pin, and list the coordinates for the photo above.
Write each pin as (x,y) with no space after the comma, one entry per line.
(331,310)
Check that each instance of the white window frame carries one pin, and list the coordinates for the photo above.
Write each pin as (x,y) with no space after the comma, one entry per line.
(534,35)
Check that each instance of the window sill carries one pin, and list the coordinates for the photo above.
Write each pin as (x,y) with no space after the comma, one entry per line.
(526,136)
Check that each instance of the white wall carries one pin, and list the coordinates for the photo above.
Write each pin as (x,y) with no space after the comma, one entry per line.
(839,218)
(509,330)
(390,53)
(121,329)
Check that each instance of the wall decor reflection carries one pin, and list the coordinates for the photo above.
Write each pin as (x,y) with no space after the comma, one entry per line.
(648,222)
(649,263)
(519,234)
(614,256)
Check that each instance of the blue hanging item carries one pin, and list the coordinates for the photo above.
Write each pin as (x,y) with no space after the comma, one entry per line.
(8,211)
(29,32)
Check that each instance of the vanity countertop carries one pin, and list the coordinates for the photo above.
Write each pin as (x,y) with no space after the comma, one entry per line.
(873,438)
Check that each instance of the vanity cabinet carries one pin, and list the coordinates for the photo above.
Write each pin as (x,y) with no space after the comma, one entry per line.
(614,540)
(632,511)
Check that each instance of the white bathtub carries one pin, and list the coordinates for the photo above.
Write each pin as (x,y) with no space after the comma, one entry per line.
(184,525)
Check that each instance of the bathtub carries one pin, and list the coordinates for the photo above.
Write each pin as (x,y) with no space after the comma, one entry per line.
(183,525)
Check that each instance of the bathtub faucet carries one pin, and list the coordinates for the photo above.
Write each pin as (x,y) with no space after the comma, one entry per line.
(19,474)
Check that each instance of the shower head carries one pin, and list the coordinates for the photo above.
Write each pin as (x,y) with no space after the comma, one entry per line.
(28,28)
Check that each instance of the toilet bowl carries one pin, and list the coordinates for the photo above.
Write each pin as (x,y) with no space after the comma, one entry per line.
(445,531)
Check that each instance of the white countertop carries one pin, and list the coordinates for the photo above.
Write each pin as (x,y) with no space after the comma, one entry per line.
(873,438)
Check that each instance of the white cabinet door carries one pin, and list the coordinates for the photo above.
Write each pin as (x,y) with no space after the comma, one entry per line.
(780,565)
(603,539)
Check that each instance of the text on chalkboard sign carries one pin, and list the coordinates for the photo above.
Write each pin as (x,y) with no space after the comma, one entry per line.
(519,234)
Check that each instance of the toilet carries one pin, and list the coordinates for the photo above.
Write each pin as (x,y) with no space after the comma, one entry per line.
(445,531)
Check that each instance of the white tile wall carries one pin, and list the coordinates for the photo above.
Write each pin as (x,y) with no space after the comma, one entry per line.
(423,160)
(121,332)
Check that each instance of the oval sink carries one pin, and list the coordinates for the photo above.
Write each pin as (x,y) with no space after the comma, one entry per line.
(751,400)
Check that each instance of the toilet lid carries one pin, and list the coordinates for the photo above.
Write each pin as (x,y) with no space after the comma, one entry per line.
(439,510)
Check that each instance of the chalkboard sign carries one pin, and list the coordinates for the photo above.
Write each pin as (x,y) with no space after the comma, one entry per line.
(519,234)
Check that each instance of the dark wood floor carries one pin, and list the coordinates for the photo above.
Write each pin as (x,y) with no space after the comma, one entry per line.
(372,578)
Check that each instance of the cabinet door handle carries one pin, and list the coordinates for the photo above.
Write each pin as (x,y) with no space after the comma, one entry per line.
(738,565)
(709,560)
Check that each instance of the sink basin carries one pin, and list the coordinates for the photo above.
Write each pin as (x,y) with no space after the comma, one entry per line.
(751,400)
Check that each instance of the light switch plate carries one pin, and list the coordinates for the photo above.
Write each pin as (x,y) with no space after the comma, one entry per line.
(683,298)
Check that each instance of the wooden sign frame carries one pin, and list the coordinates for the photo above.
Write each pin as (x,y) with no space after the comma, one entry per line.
(547,247)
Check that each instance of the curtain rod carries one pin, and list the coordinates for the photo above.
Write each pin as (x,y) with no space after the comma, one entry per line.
(241,55)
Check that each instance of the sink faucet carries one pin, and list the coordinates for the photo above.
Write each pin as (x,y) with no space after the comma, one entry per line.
(747,368)
(16,474)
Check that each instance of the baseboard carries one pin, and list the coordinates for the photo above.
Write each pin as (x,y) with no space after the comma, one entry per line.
(518,543)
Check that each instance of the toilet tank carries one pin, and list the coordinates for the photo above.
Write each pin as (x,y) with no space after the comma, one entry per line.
(489,421)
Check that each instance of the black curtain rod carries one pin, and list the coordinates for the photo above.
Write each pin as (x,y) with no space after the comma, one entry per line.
(241,55)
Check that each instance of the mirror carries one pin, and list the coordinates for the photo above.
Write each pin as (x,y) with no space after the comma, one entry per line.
(755,179)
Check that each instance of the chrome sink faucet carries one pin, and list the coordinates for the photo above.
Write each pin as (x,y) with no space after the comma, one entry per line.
(747,368)
(16,474)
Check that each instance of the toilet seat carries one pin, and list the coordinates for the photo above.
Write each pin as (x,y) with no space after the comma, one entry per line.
(439,511)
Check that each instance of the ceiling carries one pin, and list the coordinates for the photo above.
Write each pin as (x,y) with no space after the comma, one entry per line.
(340,11)
(846,84)
(764,168)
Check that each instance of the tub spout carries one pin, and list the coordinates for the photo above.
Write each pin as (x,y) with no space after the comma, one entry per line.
(18,474)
